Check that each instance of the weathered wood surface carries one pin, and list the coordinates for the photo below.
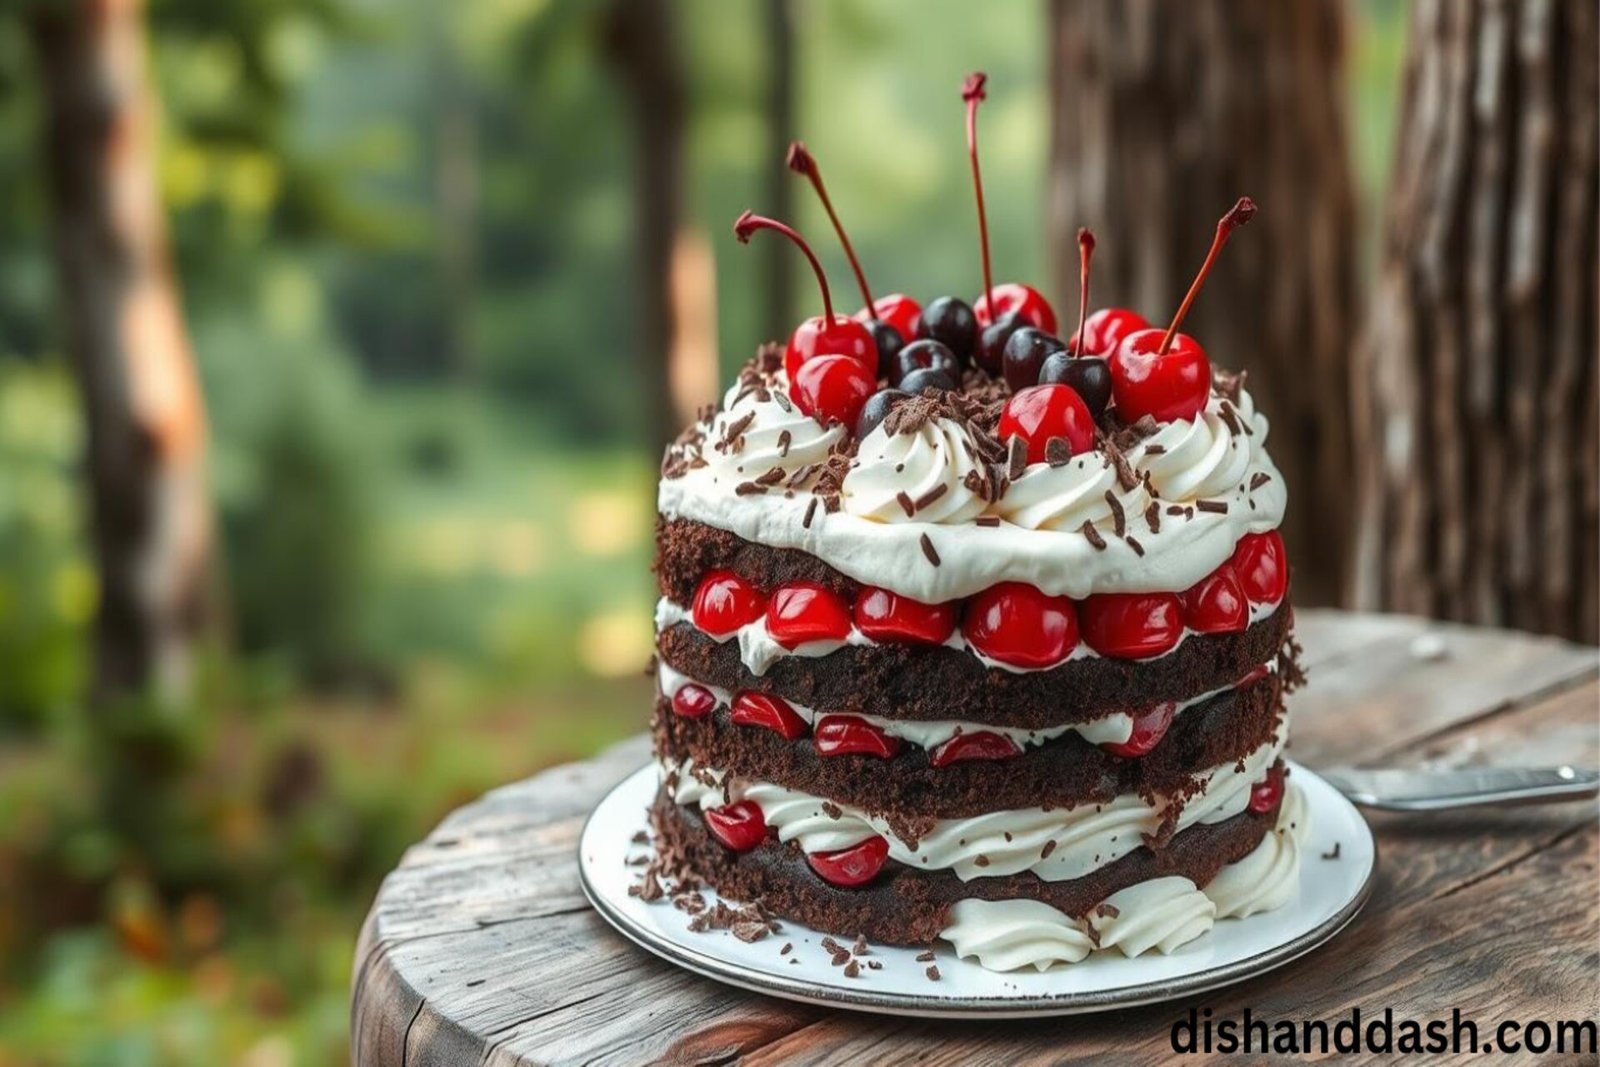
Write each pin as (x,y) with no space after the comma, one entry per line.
(481,948)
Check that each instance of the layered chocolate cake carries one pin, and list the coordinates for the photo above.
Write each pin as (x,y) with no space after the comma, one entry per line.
(969,632)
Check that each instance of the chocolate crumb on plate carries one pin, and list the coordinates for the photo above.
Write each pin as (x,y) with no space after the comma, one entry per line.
(860,947)
(1332,855)
(926,957)
(788,947)
(852,969)
(933,973)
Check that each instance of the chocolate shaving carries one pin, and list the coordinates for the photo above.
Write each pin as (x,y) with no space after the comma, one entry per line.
(1155,450)
(798,478)
(931,495)
(1152,517)
(1133,543)
(1119,519)
(773,476)
(1215,507)
(782,401)
(1258,479)
(928,551)
(907,505)
(1332,855)
(1016,457)
(987,520)
(1226,412)
(640,838)
(1049,847)
(1107,911)
(1228,383)
(1126,477)
(750,489)
(784,439)
(832,810)
(811,511)
(1093,535)
(980,860)
(1057,452)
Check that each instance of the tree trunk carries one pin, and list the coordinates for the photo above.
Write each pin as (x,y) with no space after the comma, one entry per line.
(778,279)
(1475,384)
(141,396)
(1164,115)
(641,43)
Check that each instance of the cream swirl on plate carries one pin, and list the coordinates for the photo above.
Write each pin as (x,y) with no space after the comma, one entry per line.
(929,466)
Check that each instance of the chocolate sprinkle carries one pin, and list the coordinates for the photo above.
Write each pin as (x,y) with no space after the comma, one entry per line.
(1119,520)
(931,495)
(749,489)
(927,550)
(1049,847)
(1216,507)
(784,440)
(1332,855)
(1133,543)
(1107,911)
(811,511)
(906,504)
(1155,450)
(1088,530)
(987,520)
(1152,517)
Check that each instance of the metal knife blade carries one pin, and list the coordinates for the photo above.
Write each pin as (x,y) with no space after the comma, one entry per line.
(1428,790)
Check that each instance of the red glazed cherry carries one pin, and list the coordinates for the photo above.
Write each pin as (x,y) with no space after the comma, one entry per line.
(724,602)
(824,335)
(693,701)
(1169,377)
(1018,625)
(759,709)
(1104,330)
(1024,300)
(853,866)
(1131,625)
(980,744)
(1149,727)
(1040,412)
(1216,604)
(885,616)
(805,611)
(834,388)
(1262,567)
(851,735)
(899,311)
(1167,387)
(739,825)
(1268,792)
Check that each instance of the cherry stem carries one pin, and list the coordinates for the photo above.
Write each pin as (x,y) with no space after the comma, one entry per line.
(803,162)
(972,91)
(1085,252)
(748,223)
(1237,216)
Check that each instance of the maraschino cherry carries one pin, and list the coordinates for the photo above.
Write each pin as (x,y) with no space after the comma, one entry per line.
(1216,604)
(997,301)
(1104,330)
(724,602)
(1149,727)
(898,312)
(740,826)
(1042,412)
(1166,375)
(977,745)
(1262,565)
(693,701)
(851,735)
(1131,625)
(1266,794)
(835,393)
(1088,376)
(1018,625)
(890,617)
(853,866)
(769,712)
(799,612)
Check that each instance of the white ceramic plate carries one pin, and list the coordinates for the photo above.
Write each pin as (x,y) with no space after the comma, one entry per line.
(1331,893)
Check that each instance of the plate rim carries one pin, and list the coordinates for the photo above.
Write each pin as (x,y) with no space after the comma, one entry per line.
(938,1006)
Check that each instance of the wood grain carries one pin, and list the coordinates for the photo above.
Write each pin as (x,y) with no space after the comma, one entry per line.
(480,948)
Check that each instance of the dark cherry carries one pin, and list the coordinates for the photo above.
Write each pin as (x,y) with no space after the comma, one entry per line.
(978,745)
(1216,604)
(1025,354)
(1042,412)
(949,320)
(853,866)
(769,712)
(876,409)
(851,735)
(1268,792)
(740,825)
(899,311)
(693,701)
(889,343)
(723,602)
(833,388)
(890,617)
(991,354)
(1088,376)
(1017,624)
(1014,298)
(799,612)
(918,380)
(1131,625)
(1149,727)
(1262,565)
(1104,330)
(926,354)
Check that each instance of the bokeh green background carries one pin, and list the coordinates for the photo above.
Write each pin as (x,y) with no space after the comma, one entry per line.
(435,500)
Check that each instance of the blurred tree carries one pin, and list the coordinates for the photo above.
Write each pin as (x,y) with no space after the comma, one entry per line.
(143,411)
(778,195)
(1475,385)
(1165,113)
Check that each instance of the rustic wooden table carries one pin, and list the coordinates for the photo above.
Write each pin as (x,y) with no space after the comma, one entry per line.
(481,947)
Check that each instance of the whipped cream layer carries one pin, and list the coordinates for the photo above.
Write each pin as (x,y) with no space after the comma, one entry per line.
(1111,729)
(1057,844)
(1162,914)
(1218,457)
(759,650)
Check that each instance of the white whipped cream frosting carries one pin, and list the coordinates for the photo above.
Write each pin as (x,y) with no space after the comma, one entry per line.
(1161,914)
(779,435)
(934,459)
(995,843)
(1037,539)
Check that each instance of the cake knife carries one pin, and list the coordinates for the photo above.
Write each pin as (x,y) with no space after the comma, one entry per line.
(1427,790)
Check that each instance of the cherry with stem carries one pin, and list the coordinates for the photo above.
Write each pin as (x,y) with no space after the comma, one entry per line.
(1085,253)
(801,161)
(749,222)
(973,92)
(1241,213)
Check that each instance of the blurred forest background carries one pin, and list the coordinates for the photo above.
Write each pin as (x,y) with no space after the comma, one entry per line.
(428,259)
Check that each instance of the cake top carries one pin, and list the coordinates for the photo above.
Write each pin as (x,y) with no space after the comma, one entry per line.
(937,450)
